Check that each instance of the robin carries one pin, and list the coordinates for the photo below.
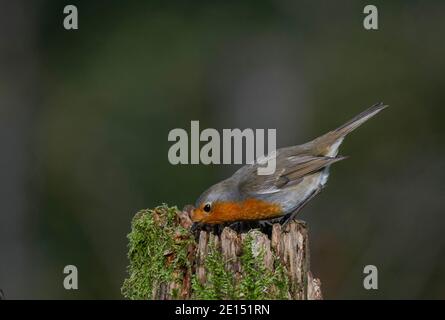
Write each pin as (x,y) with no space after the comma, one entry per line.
(301,173)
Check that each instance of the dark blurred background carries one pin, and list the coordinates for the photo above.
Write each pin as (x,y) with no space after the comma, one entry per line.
(85,114)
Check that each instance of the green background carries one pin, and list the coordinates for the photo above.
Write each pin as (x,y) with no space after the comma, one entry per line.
(85,117)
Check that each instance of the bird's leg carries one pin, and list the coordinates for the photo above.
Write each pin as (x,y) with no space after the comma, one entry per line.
(234,226)
(292,215)
(240,226)
(195,226)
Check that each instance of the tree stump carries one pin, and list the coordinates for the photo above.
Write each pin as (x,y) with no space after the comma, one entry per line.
(168,261)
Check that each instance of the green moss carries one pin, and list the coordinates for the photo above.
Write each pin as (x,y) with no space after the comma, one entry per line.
(256,283)
(220,282)
(157,247)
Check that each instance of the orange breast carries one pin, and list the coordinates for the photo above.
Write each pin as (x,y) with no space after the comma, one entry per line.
(247,210)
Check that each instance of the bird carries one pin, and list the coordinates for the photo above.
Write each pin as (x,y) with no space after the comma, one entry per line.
(301,173)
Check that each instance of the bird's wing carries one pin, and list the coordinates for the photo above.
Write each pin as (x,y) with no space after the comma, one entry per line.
(290,171)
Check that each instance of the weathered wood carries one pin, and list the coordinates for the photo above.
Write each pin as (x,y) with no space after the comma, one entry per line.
(289,245)
(274,251)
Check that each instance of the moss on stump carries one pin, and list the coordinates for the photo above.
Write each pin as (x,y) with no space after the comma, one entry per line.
(167,261)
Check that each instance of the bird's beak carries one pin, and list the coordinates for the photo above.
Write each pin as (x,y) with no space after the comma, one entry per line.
(191,213)
(189,209)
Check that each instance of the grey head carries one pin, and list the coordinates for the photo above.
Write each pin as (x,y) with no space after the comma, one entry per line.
(225,190)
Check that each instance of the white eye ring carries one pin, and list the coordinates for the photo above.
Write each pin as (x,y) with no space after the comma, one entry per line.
(207,207)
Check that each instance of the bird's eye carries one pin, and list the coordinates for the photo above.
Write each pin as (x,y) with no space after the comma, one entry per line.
(207,207)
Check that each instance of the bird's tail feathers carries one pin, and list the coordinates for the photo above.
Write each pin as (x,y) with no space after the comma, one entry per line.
(328,144)
(358,120)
